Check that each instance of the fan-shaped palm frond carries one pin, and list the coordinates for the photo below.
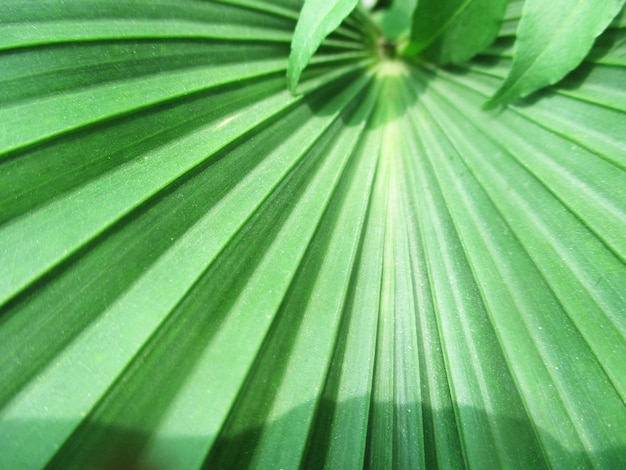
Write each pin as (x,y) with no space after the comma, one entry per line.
(198,268)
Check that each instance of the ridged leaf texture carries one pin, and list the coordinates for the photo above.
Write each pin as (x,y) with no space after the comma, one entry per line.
(198,269)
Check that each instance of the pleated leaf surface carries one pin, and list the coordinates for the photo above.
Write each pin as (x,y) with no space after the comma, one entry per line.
(200,270)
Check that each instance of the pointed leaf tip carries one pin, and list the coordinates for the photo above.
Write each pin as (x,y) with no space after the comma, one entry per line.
(552,40)
(318,19)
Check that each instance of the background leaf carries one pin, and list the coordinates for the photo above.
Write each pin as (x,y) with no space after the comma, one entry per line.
(552,39)
(453,31)
(199,269)
(396,20)
(317,20)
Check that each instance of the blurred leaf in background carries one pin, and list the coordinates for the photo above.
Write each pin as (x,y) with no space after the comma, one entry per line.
(453,31)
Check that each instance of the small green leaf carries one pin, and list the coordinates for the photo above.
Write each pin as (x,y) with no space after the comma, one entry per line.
(553,39)
(318,19)
(453,31)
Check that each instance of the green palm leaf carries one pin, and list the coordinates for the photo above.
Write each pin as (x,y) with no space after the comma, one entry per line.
(199,269)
